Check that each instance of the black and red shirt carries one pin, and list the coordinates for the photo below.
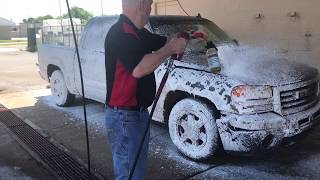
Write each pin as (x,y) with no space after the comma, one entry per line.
(125,47)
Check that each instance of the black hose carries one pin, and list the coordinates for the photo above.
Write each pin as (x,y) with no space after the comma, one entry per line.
(161,86)
(82,89)
(170,67)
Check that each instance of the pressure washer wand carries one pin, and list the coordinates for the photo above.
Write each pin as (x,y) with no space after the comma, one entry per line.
(82,89)
(170,67)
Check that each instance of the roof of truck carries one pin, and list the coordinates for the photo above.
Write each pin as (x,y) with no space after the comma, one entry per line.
(166,18)
(98,27)
(175,18)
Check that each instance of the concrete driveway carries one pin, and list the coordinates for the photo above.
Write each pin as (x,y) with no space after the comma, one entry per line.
(34,104)
(17,73)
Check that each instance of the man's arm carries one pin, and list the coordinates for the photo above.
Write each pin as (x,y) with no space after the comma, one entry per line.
(150,62)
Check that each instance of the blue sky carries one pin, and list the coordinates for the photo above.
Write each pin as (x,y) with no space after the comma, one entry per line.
(16,10)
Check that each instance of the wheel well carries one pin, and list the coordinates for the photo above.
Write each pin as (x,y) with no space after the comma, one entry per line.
(51,68)
(173,97)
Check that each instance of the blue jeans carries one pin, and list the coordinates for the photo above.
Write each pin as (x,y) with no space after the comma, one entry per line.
(125,132)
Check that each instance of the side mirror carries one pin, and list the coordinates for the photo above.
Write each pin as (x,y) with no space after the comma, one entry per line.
(236,42)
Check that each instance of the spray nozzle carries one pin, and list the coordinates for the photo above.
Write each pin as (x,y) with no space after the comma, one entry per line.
(184,35)
(196,35)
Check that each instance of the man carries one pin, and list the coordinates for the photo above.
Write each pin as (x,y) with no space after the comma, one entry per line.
(132,55)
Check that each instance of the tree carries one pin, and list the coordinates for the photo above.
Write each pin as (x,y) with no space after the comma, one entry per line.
(31,20)
(38,19)
(41,18)
(77,12)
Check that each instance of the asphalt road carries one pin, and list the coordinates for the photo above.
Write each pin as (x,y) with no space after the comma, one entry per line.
(18,71)
(33,103)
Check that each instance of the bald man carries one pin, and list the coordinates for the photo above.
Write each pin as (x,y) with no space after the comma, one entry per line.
(132,55)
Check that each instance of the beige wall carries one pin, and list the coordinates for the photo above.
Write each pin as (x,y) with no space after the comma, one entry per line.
(298,36)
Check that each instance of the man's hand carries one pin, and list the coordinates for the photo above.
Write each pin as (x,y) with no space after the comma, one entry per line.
(151,61)
(177,45)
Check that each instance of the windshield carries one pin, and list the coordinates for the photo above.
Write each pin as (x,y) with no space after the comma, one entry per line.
(196,49)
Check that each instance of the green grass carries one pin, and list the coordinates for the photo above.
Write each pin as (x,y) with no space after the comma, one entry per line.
(13,44)
(12,41)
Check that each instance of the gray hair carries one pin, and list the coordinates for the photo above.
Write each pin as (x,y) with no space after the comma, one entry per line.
(133,2)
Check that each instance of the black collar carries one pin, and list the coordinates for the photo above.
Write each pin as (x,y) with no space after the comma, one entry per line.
(124,18)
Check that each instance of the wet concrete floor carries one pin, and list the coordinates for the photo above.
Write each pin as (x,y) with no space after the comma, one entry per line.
(65,125)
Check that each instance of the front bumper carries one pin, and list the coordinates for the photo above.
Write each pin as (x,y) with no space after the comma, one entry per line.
(259,132)
(42,77)
(40,73)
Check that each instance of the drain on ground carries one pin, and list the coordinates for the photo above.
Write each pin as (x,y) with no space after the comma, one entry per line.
(57,160)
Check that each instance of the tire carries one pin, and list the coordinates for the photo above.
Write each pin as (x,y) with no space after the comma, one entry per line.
(59,90)
(193,129)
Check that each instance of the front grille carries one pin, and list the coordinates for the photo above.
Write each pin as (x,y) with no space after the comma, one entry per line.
(299,98)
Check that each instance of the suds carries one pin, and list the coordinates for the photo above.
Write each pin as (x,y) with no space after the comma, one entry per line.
(262,66)
(13,173)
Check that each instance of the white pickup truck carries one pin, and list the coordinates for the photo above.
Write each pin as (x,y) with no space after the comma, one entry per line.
(248,112)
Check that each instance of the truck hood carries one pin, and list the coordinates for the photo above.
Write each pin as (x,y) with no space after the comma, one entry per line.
(273,72)
(269,72)
(262,66)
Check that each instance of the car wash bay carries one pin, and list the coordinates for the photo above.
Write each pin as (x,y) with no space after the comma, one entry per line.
(65,129)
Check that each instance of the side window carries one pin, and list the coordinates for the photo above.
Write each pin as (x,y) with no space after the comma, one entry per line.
(148,27)
(196,48)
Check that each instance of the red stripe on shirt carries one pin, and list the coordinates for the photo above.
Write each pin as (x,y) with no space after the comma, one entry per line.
(124,87)
(129,29)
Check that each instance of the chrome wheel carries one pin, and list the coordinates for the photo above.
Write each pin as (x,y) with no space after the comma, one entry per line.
(59,90)
(193,129)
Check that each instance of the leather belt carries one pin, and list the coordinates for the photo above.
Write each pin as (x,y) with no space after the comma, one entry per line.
(127,108)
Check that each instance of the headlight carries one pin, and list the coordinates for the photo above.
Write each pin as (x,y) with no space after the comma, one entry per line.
(252,99)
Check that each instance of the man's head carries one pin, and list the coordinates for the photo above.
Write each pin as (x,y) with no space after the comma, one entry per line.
(137,10)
